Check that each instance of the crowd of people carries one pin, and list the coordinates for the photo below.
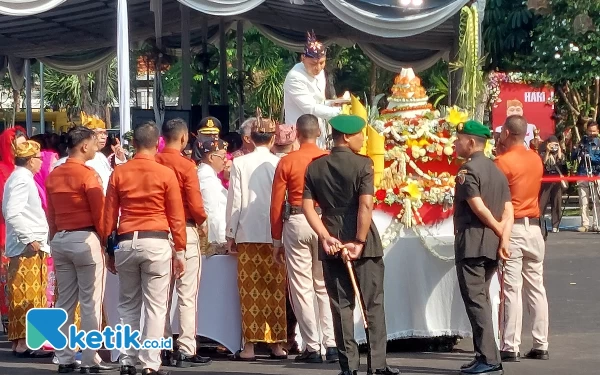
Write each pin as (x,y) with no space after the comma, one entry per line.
(293,203)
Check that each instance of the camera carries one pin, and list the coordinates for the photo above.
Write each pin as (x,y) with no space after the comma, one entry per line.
(554,149)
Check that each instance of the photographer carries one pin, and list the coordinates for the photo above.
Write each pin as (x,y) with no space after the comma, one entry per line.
(587,155)
(554,161)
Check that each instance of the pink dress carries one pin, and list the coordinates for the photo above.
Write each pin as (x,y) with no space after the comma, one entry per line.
(48,160)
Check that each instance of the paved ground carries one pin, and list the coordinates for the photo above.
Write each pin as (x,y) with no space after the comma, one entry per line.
(573,283)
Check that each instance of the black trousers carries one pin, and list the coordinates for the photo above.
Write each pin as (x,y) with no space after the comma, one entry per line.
(369,274)
(474,276)
(551,193)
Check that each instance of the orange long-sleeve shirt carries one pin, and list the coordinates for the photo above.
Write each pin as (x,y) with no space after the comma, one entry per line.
(524,169)
(75,198)
(289,177)
(148,197)
(189,185)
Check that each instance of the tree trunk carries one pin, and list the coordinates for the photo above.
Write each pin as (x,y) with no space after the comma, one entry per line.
(100,95)
(482,101)
(86,99)
(373,84)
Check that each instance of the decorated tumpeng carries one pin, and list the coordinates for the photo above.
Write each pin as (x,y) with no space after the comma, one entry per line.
(411,145)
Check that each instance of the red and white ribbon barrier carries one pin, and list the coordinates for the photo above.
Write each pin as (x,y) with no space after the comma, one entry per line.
(569,178)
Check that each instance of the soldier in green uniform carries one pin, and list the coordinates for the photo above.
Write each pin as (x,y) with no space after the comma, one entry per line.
(482,225)
(341,183)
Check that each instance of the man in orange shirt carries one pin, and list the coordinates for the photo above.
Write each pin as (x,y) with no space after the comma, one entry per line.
(293,237)
(75,207)
(175,133)
(523,169)
(149,199)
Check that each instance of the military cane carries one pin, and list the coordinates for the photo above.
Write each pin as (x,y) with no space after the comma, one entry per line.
(358,294)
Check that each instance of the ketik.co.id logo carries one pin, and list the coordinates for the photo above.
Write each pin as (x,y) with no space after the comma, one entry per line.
(43,325)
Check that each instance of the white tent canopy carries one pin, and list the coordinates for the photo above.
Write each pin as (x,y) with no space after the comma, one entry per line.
(78,35)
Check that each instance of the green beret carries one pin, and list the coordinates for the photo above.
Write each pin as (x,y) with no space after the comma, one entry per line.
(347,124)
(475,128)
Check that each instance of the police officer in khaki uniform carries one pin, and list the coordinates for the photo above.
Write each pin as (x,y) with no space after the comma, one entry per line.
(482,222)
(341,183)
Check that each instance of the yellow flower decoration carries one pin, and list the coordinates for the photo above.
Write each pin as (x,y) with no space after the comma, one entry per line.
(489,148)
(457,116)
(413,190)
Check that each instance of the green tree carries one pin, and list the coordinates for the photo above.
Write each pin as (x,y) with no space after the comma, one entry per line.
(507,27)
(566,52)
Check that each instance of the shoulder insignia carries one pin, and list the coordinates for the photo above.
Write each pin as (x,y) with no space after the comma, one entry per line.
(461,176)
(99,179)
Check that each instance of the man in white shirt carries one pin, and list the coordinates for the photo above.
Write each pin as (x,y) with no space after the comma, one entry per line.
(304,89)
(26,243)
(213,158)
(249,234)
(100,162)
(515,107)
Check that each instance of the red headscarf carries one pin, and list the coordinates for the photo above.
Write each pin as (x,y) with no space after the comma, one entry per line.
(7,165)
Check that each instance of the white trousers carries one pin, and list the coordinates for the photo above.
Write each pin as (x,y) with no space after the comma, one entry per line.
(80,274)
(524,274)
(144,268)
(187,296)
(585,199)
(305,279)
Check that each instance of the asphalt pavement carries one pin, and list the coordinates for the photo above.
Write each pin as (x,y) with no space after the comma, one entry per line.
(572,272)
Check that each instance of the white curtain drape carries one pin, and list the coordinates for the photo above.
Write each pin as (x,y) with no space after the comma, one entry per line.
(123,66)
(27,7)
(292,44)
(80,63)
(423,60)
(377,21)
(222,8)
(16,69)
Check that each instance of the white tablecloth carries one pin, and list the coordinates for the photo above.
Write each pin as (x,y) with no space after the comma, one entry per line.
(219,312)
(422,298)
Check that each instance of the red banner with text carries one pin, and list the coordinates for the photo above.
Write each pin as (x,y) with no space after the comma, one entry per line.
(535,103)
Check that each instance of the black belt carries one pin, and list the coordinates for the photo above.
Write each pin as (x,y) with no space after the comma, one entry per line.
(84,229)
(532,221)
(155,234)
(340,211)
(297,210)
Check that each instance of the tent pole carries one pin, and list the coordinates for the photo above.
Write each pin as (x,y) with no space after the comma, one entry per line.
(28,112)
(123,67)
(205,86)
(240,69)
(185,100)
(42,119)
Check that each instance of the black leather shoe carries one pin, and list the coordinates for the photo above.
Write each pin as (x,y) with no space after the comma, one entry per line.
(483,368)
(149,371)
(128,370)
(65,369)
(332,355)
(537,354)
(510,356)
(467,365)
(166,358)
(385,371)
(184,361)
(309,357)
(100,367)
